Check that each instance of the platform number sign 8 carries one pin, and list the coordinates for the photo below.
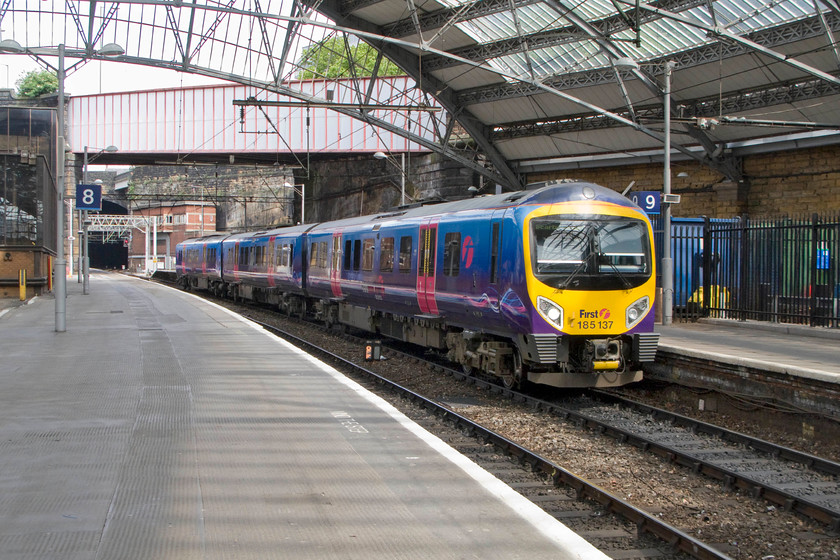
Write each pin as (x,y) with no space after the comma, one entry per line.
(88,197)
(648,201)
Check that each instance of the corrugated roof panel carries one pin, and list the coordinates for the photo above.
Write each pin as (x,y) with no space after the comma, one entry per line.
(464,77)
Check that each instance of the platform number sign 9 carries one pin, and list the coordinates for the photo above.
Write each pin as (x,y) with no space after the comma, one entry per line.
(649,201)
(88,197)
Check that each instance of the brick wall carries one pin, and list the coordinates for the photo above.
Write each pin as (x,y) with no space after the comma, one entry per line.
(792,182)
(36,264)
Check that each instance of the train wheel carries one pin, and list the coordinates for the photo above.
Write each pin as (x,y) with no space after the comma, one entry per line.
(512,378)
(469,370)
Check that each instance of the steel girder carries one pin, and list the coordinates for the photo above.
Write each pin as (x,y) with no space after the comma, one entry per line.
(500,170)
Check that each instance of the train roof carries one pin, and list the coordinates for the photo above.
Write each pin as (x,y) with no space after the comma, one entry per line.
(540,193)
(204,239)
(278,231)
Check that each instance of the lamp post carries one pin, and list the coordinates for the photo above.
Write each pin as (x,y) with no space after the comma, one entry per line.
(60,270)
(60,263)
(400,166)
(667,262)
(84,246)
(302,199)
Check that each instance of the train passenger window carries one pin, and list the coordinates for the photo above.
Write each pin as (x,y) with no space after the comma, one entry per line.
(313,254)
(348,254)
(405,254)
(386,255)
(452,254)
(494,255)
(357,253)
(368,250)
(322,255)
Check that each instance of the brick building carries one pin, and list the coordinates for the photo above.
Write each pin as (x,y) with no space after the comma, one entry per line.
(175,223)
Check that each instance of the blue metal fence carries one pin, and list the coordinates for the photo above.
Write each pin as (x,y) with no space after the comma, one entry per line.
(781,270)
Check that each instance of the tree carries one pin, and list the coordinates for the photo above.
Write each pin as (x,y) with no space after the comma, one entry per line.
(37,83)
(328,59)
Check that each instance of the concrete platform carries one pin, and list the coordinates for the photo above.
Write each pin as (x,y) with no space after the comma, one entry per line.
(806,352)
(159,426)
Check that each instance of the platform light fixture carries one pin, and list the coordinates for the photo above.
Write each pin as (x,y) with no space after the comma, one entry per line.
(111,49)
(11,46)
(625,63)
(302,199)
(400,166)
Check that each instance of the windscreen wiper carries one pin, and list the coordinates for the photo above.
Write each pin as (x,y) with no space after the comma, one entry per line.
(624,280)
(581,265)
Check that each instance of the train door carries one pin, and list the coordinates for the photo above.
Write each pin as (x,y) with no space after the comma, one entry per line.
(496,247)
(335,269)
(271,265)
(426,256)
(236,262)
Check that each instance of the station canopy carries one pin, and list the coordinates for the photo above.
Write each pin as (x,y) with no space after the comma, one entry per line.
(525,85)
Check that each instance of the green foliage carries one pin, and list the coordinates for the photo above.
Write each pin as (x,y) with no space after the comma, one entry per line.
(328,59)
(37,83)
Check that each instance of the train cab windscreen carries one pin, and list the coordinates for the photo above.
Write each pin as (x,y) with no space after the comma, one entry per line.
(593,252)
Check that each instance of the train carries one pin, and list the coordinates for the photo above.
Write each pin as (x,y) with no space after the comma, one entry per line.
(552,285)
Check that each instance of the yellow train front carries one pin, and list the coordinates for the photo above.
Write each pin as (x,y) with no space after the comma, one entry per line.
(589,263)
(576,291)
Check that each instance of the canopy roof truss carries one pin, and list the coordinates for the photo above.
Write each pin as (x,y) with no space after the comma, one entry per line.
(521,82)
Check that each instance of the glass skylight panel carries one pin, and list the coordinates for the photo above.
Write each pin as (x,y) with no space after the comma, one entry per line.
(532,19)
(554,60)
(664,36)
(592,9)
(478,29)
(744,16)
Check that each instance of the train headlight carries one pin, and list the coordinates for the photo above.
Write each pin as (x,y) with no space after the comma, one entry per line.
(550,311)
(637,310)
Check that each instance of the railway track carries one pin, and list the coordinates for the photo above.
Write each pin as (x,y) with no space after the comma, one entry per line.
(796,481)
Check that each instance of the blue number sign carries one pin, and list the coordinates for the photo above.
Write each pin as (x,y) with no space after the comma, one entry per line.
(88,197)
(648,201)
